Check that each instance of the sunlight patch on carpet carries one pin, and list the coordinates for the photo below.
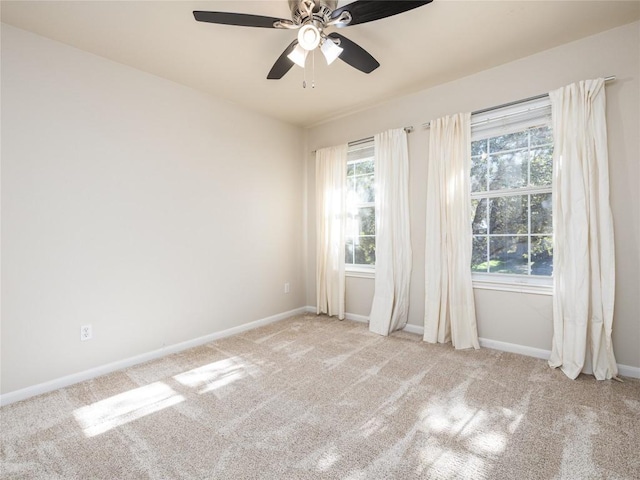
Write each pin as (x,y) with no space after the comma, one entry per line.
(464,440)
(450,418)
(217,374)
(372,426)
(489,442)
(104,415)
(328,459)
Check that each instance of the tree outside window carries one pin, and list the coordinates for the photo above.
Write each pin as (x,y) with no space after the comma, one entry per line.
(361,211)
(511,195)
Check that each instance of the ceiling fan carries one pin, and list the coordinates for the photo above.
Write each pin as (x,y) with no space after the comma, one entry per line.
(311,18)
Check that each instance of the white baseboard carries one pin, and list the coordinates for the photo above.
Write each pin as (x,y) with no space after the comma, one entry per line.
(347,316)
(356,318)
(365,319)
(65,381)
(414,329)
(515,348)
(23,394)
(627,371)
(623,370)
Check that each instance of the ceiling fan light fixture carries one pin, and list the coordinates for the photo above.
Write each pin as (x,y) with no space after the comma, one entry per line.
(309,37)
(298,56)
(330,50)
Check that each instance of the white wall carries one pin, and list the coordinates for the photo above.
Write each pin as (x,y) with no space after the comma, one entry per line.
(158,214)
(152,212)
(522,319)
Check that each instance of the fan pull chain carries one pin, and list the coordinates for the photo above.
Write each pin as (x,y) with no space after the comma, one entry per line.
(304,76)
(313,71)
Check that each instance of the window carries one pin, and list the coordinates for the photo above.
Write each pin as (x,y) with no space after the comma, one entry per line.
(511,174)
(361,211)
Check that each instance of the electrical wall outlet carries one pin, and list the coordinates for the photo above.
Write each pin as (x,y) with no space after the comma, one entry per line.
(86,332)
(287,287)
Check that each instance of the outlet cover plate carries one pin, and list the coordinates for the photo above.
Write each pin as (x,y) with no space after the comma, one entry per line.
(86,332)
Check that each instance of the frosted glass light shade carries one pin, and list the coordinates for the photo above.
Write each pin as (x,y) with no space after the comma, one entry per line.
(330,50)
(298,56)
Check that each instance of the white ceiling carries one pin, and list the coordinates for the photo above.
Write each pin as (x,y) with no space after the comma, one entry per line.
(432,44)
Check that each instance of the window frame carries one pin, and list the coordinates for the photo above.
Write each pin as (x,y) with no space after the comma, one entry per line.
(514,118)
(356,269)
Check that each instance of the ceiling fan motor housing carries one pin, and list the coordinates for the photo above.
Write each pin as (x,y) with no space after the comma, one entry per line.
(304,11)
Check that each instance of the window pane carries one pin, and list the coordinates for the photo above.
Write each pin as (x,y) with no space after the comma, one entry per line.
(508,255)
(478,147)
(508,215)
(541,136)
(541,255)
(541,213)
(363,189)
(511,219)
(509,141)
(351,188)
(479,254)
(360,244)
(367,221)
(365,251)
(479,215)
(542,166)
(349,251)
(364,167)
(478,174)
(353,222)
(508,170)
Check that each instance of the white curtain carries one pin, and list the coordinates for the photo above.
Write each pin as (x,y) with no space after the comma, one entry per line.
(331,181)
(390,306)
(449,304)
(584,270)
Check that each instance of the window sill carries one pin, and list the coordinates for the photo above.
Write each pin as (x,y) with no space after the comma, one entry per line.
(513,283)
(360,272)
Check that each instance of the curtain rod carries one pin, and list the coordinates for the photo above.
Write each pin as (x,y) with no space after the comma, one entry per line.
(509,104)
(410,128)
(365,141)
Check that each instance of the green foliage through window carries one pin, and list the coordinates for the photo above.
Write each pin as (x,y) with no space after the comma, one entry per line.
(361,214)
(511,219)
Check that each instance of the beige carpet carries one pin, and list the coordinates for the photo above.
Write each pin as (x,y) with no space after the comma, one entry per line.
(311,397)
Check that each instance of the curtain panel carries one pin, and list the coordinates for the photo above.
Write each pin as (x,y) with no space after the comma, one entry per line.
(390,307)
(584,259)
(331,180)
(449,303)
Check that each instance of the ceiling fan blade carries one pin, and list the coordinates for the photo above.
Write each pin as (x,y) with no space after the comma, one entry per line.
(240,19)
(283,64)
(363,11)
(355,55)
